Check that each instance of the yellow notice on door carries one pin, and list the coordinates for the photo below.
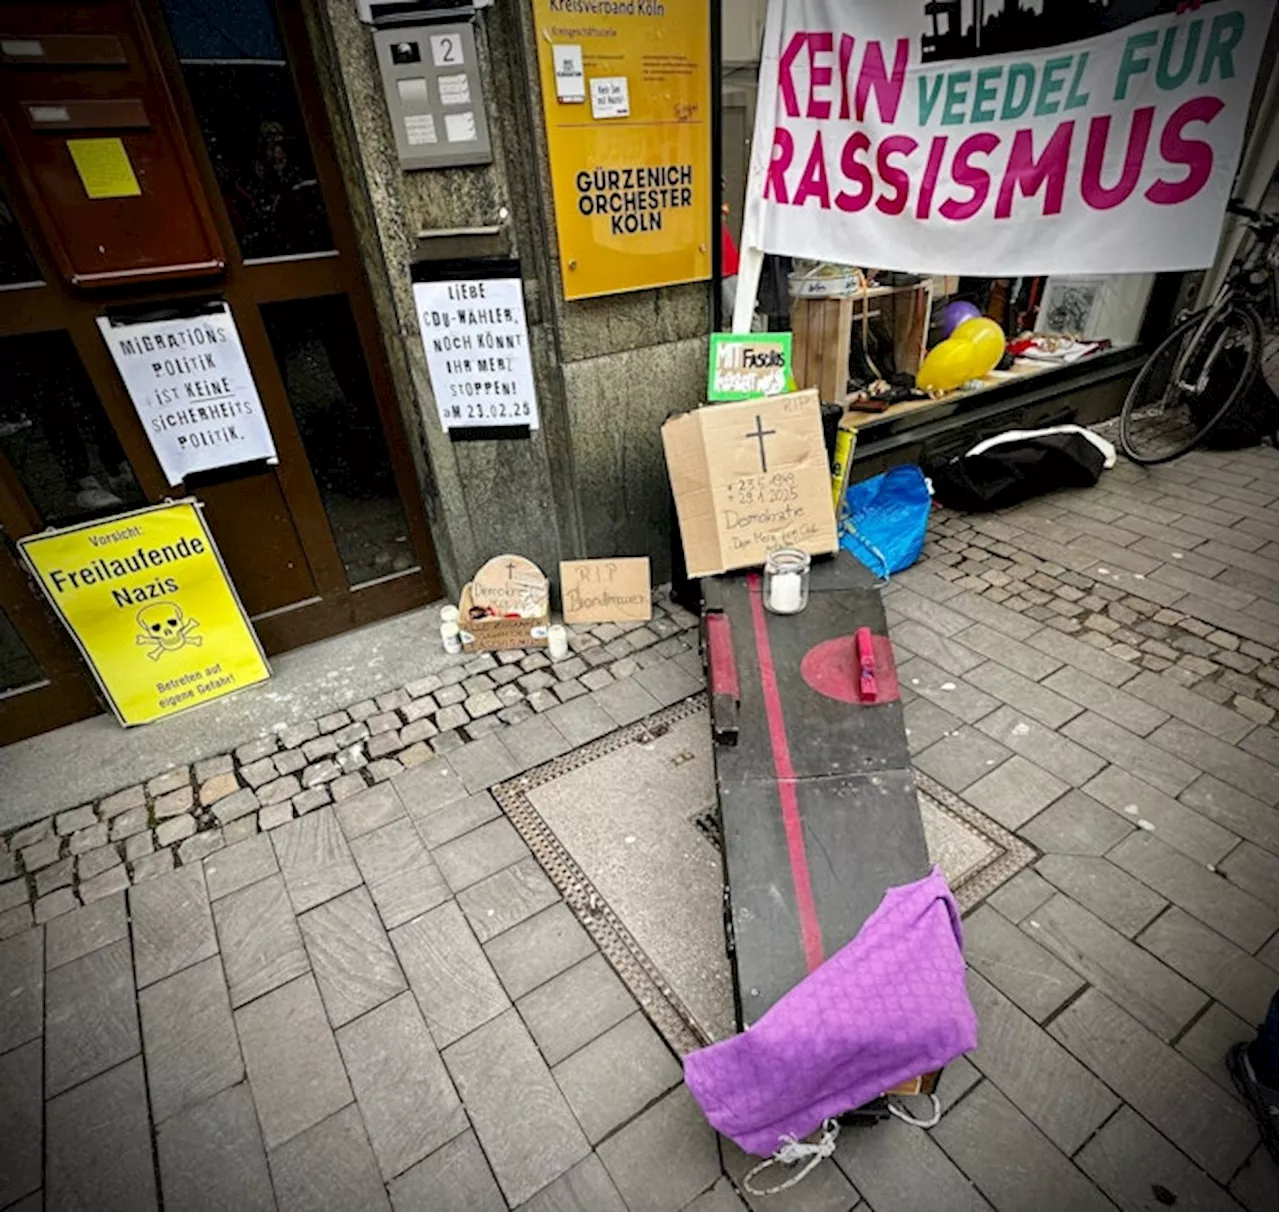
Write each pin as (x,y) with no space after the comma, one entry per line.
(104,168)
(146,597)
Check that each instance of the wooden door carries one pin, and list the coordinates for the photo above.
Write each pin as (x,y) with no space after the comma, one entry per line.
(334,535)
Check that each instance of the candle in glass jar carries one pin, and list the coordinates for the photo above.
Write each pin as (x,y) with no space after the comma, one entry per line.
(448,614)
(557,642)
(784,592)
(450,638)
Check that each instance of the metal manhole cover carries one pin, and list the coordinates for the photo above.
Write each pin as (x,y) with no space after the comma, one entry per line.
(628,830)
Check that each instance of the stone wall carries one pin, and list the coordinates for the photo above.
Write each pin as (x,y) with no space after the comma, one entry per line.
(591,481)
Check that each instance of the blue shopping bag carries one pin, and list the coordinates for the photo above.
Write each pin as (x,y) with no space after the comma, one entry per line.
(884,519)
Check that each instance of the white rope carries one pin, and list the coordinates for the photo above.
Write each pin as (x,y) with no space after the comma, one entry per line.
(908,1118)
(793,1152)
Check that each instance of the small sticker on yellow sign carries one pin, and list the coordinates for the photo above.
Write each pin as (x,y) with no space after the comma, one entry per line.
(148,601)
(104,168)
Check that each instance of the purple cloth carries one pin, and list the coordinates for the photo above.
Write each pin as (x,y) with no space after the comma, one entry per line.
(888,1006)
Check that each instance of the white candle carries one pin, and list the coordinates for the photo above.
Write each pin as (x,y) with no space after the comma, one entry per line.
(448,614)
(450,638)
(557,642)
(784,592)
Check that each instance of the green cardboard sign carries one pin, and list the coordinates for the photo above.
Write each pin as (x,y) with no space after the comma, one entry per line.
(749,364)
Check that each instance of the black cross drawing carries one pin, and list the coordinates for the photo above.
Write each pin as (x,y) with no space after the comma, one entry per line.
(760,433)
(511,570)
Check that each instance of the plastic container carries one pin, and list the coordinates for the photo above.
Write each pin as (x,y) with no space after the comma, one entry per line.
(450,638)
(786,581)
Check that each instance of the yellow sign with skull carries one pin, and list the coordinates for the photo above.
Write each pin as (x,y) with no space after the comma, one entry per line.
(148,601)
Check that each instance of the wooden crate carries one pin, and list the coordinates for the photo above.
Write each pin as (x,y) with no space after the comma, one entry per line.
(821,331)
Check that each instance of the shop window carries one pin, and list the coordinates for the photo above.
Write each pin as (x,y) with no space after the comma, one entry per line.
(17,265)
(18,668)
(319,355)
(244,98)
(55,435)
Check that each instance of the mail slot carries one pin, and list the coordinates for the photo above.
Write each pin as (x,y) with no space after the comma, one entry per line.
(88,123)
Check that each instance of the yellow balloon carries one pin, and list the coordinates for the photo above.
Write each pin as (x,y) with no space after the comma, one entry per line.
(945,366)
(987,339)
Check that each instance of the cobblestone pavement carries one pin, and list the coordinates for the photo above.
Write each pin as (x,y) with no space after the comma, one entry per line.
(324,972)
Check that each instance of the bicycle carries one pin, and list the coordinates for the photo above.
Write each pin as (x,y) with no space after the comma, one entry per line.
(1197,374)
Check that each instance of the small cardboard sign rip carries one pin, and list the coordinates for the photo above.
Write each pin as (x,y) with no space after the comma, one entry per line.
(606,591)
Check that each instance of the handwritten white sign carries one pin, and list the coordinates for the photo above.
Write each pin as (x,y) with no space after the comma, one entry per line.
(477,344)
(191,384)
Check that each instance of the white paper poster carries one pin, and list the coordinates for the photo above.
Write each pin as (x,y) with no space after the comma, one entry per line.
(571,81)
(890,135)
(609,97)
(190,382)
(477,344)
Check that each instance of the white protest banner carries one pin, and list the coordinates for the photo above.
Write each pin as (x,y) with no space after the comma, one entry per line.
(890,134)
(190,382)
(477,345)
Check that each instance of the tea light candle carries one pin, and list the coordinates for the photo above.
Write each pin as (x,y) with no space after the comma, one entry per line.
(557,642)
(450,638)
(784,593)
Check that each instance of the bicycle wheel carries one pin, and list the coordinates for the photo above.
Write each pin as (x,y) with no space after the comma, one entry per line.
(1164,418)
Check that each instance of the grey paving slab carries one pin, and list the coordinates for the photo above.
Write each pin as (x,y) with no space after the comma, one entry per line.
(919,640)
(616,1075)
(74,934)
(1013,1164)
(1189,707)
(21,1122)
(1192,1111)
(1181,827)
(627,701)
(1015,791)
(1031,698)
(369,810)
(22,979)
(1076,824)
(1145,987)
(190,1040)
(896,1166)
(1106,700)
(580,721)
(1131,753)
(1100,665)
(458,818)
(998,618)
(315,859)
(1043,1080)
(1021,896)
(98,1145)
(507,898)
(294,1069)
(406,1098)
(172,924)
(826,1189)
(952,694)
(721,1198)
(91,1020)
(483,763)
(211,1157)
(261,946)
(926,723)
(1101,887)
(1252,870)
(1255,1186)
(585,1188)
(539,948)
(240,865)
(668,682)
(448,972)
(354,964)
(426,789)
(1045,748)
(961,758)
(1035,979)
(958,1078)
(534,741)
(456,1177)
(475,855)
(927,608)
(401,874)
(1232,809)
(1230,975)
(499,1075)
(1207,1041)
(573,1008)
(327,1167)
(1249,774)
(1011,653)
(663,1158)
(1217,903)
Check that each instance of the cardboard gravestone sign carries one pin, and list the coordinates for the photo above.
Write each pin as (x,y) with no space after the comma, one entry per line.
(606,591)
(509,586)
(748,479)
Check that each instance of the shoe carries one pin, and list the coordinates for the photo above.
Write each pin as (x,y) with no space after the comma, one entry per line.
(1261,1099)
(93,496)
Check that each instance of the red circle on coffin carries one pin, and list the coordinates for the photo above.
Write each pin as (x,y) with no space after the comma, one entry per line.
(831,668)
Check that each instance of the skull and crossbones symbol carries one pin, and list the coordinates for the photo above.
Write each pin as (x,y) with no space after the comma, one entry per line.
(165,629)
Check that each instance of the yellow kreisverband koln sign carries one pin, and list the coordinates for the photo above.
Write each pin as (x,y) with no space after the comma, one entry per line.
(626,91)
(149,603)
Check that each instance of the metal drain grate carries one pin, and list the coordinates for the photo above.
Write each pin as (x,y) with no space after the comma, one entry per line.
(708,824)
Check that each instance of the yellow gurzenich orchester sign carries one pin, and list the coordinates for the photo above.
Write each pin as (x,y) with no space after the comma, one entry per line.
(147,599)
(631,160)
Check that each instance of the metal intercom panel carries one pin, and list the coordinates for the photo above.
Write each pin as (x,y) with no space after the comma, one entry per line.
(432,82)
